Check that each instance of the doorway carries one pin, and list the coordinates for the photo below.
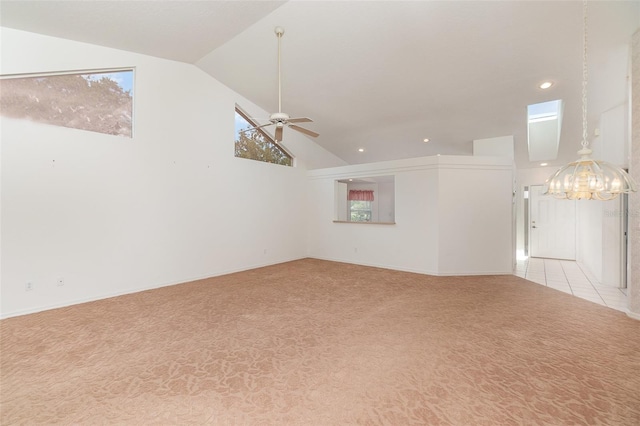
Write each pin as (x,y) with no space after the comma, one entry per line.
(552,226)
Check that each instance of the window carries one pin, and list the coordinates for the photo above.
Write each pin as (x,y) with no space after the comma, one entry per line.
(360,211)
(97,101)
(256,144)
(369,199)
(360,205)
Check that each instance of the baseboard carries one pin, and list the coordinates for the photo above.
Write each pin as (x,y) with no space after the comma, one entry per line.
(472,273)
(414,270)
(102,296)
(383,266)
(34,310)
(633,315)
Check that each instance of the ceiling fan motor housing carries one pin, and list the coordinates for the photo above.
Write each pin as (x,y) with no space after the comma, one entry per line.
(279,117)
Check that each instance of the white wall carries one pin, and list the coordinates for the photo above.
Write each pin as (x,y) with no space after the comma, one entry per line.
(599,232)
(386,201)
(113,215)
(501,146)
(475,224)
(613,261)
(589,236)
(392,246)
(605,258)
(341,211)
(599,240)
(612,144)
(453,217)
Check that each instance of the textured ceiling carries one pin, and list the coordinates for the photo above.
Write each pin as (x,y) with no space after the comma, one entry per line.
(378,75)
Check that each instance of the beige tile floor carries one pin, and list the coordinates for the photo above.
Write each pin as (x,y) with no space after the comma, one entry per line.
(568,276)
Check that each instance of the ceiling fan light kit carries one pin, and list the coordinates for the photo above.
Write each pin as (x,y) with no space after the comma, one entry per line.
(586,178)
(281,119)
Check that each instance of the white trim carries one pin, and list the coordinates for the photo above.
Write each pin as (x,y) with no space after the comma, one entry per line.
(69,72)
(384,168)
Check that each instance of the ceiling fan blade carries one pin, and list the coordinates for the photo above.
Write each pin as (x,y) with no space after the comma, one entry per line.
(300,120)
(305,131)
(278,134)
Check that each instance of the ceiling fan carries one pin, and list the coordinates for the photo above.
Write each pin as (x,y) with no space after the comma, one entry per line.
(281,119)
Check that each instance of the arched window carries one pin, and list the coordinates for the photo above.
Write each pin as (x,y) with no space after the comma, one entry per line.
(257,144)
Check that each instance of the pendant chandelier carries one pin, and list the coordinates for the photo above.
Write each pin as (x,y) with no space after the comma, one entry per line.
(586,178)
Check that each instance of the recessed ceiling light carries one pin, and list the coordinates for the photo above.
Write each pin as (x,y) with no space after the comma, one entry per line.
(546,85)
(360,149)
(544,164)
(425,140)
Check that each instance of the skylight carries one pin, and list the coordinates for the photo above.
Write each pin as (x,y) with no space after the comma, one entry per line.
(544,122)
(544,111)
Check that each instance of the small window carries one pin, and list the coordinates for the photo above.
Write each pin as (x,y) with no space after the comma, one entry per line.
(256,144)
(360,211)
(98,101)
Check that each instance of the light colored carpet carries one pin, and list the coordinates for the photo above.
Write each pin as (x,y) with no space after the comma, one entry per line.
(312,342)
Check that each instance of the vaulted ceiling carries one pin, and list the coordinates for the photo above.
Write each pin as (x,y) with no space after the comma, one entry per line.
(383,75)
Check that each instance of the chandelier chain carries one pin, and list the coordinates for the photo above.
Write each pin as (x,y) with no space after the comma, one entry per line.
(586,178)
(585,76)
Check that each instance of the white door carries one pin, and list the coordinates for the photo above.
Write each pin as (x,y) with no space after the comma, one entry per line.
(552,227)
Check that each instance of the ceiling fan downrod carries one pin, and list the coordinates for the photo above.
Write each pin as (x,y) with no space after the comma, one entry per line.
(279,33)
(280,119)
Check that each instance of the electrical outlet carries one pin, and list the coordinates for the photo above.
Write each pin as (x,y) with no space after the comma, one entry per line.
(60,281)
(28,286)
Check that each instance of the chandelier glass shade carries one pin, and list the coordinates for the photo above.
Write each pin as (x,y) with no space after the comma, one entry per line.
(589,179)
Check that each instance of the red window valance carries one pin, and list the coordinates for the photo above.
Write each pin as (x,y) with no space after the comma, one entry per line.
(360,195)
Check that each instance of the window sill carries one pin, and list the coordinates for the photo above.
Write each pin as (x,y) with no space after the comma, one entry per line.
(365,223)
